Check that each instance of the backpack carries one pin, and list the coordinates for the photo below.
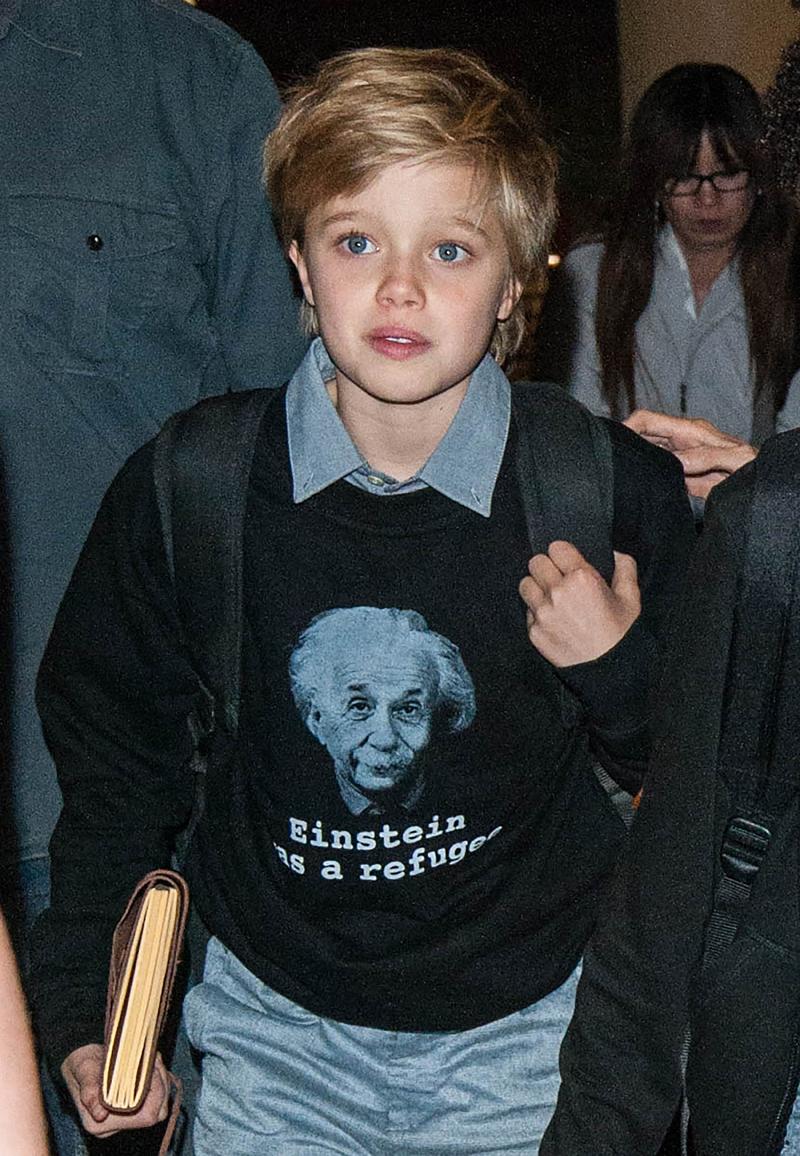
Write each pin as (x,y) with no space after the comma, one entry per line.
(733,1023)
(751,756)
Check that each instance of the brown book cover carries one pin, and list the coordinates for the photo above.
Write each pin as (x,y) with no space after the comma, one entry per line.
(144,957)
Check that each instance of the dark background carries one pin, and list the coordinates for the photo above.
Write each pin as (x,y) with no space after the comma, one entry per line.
(562,52)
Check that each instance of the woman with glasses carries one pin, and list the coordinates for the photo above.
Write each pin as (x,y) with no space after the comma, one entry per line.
(687,306)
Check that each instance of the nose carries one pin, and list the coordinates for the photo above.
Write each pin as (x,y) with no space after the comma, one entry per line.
(401,284)
(383,735)
(707,194)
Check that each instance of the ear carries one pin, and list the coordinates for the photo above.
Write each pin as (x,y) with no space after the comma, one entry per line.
(299,262)
(511,295)
(314,716)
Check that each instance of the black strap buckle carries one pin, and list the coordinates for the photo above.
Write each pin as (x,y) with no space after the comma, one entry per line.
(743,849)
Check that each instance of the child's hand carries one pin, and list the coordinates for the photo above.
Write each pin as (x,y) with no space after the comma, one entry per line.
(82,1071)
(573,614)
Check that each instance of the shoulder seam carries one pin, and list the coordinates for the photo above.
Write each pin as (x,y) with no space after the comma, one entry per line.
(203,20)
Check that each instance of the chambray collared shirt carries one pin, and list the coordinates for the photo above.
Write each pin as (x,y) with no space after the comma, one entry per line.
(139,273)
(464,466)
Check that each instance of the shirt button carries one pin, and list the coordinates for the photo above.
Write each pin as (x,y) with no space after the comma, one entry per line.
(94,242)
(374,480)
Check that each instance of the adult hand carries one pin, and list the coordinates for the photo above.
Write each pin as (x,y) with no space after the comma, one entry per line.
(573,614)
(707,455)
(82,1071)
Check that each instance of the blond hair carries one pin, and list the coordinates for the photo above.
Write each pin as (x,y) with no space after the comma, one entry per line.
(376,106)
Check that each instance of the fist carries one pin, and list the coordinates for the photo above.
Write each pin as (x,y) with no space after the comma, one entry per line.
(573,614)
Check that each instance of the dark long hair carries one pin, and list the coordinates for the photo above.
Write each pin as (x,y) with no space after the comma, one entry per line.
(663,142)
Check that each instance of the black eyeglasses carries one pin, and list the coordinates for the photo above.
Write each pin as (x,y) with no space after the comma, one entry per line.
(725,181)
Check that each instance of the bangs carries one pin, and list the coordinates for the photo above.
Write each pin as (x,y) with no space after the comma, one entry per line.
(669,122)
(731,153)
(681,146)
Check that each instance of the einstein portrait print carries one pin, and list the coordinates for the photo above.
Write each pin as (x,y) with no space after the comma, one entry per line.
(379,690)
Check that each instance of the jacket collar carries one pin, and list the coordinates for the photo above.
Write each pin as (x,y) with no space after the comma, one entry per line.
(51,23)
(672,275)
(8,12)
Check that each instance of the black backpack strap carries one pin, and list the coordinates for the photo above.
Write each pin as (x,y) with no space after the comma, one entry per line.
(758,756)
(566,480)
(565,471)
(201,466)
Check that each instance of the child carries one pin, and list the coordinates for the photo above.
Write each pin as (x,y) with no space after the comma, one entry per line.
(399,860)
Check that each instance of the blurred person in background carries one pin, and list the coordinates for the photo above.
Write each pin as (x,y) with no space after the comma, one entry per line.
(709,455)
(687,306)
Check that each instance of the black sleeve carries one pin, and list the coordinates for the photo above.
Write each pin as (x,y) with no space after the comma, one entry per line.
(115,689)
(653,523)
(620,1060)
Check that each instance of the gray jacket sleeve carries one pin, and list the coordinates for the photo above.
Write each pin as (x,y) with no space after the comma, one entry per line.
(789,416)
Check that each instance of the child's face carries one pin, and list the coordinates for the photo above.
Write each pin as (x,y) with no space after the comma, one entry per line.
(408,278)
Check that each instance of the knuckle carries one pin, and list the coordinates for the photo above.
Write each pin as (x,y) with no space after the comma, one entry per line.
(583,580)
(150,1114)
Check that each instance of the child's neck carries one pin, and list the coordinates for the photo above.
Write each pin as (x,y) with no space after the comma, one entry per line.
(395,439)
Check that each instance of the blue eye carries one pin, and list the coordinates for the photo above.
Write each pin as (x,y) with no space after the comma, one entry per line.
(357,244)
(448,251)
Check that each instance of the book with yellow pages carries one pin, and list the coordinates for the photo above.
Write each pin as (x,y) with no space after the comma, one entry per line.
(144,958)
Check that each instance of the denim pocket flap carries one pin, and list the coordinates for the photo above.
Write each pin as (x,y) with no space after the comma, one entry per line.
(94,228)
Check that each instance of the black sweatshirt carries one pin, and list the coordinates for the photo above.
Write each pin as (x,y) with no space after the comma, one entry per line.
(462,893)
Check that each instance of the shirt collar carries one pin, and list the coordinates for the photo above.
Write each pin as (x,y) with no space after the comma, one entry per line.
(677,269)
(464,466)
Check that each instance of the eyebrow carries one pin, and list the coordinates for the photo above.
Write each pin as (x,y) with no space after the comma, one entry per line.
(473,226)
(352,214)
(338,218)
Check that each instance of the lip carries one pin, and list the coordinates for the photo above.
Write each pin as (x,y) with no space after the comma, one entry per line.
(382,774)
(711,224)
(397,343)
